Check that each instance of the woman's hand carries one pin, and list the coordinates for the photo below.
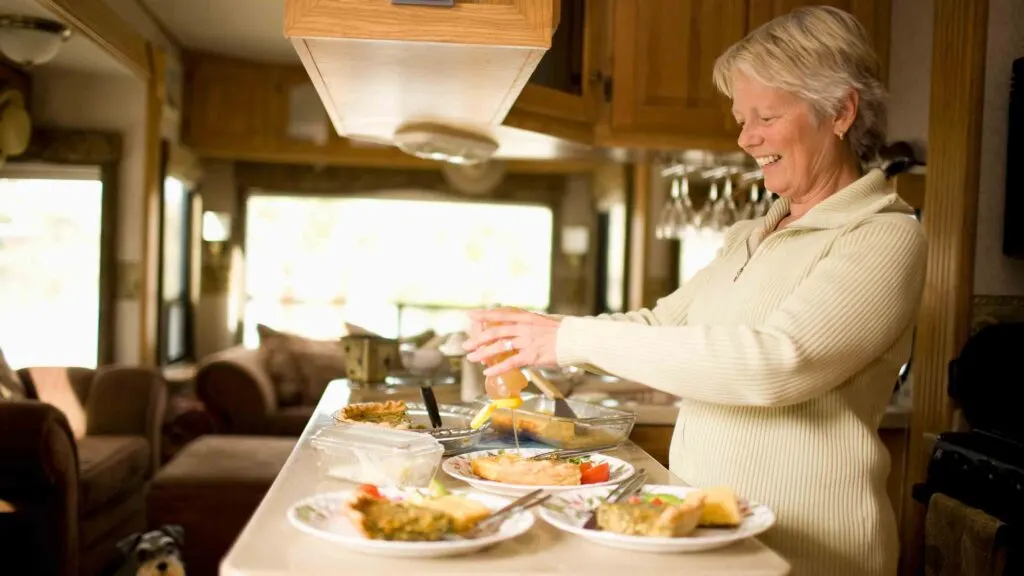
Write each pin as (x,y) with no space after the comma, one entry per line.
(530,337)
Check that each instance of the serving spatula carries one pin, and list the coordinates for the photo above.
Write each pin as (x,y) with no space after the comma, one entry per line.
(562,408)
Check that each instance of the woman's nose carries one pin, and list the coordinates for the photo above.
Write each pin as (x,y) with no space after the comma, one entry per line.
(748,137)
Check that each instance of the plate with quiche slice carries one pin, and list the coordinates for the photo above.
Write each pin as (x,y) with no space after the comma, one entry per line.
(510,472)
(405,522)
(659,518)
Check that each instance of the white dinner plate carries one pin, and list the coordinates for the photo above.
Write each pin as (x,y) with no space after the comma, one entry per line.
(567,512)
(461,468)
(322,516)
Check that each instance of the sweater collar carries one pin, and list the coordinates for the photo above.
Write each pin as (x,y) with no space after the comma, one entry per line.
(868,195)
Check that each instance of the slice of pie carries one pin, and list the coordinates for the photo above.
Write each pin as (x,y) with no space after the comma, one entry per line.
(380,519)
(646,519)
(390,414)
(511,469)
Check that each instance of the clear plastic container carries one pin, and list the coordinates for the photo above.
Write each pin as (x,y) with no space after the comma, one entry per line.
(375,455)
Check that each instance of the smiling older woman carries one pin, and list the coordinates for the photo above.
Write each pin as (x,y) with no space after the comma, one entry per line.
(786,347)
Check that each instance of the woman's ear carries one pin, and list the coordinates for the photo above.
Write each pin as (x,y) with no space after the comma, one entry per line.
(846,114)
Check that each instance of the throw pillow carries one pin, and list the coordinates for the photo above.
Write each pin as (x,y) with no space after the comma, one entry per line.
(53,385)
(299,367)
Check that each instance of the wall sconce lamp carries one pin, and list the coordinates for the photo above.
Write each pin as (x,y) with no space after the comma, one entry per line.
(216,233)
(575,244)
(216,226)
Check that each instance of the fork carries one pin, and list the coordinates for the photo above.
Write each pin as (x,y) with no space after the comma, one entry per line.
(563,453)
(625,489)
(493,521)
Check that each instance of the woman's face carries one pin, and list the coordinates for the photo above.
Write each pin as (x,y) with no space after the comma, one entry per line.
(781,132)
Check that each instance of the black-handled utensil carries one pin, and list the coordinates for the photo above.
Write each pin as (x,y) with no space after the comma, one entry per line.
(431,405)
(625,489)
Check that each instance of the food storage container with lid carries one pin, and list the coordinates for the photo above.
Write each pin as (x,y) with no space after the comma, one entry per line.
(376,455)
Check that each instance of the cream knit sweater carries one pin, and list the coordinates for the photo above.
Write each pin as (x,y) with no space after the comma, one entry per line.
(785,350)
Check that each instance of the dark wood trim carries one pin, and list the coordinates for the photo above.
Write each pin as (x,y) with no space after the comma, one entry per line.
(81,147)
(629,190)
(950,222)
(110,175)
(91,148)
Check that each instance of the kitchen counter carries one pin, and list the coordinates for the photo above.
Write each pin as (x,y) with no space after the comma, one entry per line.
(270,546)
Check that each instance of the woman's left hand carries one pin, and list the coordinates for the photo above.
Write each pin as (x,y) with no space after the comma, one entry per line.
(531,336)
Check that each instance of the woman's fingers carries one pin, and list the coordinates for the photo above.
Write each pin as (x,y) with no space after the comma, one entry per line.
(482,353)
(516,361)
(492,334)
(501,315)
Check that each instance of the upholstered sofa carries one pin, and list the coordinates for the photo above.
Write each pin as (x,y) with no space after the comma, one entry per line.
(74,471)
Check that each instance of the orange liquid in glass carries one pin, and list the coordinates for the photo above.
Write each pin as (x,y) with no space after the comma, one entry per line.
(505,385)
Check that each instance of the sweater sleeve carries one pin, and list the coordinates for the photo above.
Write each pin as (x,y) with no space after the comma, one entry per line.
(850,309)
(670,310)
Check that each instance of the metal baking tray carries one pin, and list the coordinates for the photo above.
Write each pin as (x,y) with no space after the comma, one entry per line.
(455,433)
(594,426)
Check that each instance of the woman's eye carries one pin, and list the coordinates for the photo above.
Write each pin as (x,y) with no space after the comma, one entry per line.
(768,120)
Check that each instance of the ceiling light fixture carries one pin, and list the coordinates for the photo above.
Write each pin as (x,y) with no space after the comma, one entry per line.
(29,41)
(445,143)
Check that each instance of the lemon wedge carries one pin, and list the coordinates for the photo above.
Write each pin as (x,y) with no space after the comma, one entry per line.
(485,413)
(510,403)
(482,416)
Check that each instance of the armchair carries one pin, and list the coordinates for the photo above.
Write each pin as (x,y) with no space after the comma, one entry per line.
(76,492)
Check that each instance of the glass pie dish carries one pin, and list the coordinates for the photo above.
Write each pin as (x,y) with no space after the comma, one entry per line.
(595,426)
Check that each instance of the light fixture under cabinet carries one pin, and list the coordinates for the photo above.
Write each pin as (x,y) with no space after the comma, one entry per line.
(30,41)
(444,143)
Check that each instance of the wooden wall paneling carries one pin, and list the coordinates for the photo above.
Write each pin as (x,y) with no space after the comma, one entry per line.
(950,222)
(149,309)
(638,235)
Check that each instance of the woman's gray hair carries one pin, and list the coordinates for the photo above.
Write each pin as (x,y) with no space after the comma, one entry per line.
(818,53)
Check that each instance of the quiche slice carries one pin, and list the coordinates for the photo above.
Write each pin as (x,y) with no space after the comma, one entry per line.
(511,469)
(647,519)
(390,414)
(380,519)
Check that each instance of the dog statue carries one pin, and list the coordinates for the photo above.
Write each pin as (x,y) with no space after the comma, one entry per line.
(154,553)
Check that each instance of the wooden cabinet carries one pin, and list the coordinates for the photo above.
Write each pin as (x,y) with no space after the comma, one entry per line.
(240,110)
(564,93)
(639,74)
(875,15)
(664,53)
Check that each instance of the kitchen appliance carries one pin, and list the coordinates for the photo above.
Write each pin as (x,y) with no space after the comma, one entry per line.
(1013,213)
(984,467)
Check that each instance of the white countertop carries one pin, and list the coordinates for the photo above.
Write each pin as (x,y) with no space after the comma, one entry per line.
(270,546)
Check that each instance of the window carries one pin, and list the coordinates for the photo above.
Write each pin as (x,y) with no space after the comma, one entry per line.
(394,266)
(697,249)
(50,227)
(178,240)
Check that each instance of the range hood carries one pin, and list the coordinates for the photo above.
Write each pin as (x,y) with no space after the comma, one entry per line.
(382,67)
